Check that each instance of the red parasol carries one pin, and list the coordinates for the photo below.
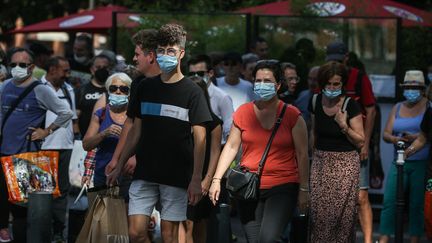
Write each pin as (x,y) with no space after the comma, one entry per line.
(347,8)
(96,21)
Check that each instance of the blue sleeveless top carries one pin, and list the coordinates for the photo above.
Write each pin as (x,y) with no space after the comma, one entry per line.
(410,125)
(106,148)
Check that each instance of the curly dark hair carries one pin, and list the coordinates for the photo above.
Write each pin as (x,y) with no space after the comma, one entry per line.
(273,65)
(330,69)
(146,39)
(172,34)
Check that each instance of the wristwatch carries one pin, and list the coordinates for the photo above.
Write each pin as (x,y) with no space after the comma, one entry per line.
(50,131)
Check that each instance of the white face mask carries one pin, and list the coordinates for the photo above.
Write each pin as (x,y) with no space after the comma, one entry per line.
(3,69)
(19,73)
(206,79)
(81,60)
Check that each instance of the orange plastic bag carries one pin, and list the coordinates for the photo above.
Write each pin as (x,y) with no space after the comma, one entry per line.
(31,172)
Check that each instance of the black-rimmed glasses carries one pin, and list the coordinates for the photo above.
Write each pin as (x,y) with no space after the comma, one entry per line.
(169,51)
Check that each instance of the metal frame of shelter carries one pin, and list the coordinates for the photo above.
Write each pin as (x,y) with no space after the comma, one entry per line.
(252,30)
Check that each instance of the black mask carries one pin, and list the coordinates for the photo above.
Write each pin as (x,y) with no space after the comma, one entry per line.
(101,75)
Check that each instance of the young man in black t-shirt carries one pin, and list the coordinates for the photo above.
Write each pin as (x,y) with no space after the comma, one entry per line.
(145,63)
(87,95)
(168,136)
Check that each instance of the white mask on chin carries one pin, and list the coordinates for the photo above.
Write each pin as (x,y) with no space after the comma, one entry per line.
(3,69)
(81,60)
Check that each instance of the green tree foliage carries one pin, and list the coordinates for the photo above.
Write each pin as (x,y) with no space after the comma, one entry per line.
(33,11)
(416,50)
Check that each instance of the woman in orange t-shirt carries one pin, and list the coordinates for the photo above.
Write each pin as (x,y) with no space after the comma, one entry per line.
(286,169)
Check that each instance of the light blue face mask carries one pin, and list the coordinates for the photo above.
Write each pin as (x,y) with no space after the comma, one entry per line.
(264,91)
(167,63)
(118,100)
(331,94)
(412,95)
(429,75)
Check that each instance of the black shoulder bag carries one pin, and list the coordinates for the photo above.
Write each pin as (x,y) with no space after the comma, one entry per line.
(243,184)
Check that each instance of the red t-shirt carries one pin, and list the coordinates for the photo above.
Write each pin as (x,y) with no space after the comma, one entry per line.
(366,97)
(281,164)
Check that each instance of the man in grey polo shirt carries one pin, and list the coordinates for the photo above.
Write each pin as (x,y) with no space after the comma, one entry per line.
(62,139)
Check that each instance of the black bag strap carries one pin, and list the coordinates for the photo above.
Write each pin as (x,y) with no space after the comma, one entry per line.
(314,100)
(17,101)
(67,95)
(345,103)
(275,128)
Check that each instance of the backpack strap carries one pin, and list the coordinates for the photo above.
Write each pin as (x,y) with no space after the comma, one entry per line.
(345,103)
(67,95)
(314,100)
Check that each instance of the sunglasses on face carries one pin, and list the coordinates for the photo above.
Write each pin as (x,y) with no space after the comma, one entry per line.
(199,73)
(20,64)
(114,88)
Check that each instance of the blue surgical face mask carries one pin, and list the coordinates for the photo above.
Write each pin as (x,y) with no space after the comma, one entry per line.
(264,91)
(412,95)
(167,63)
(331,94)
(118,100)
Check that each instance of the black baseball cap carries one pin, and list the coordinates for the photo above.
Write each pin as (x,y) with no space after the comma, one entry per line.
(336,51)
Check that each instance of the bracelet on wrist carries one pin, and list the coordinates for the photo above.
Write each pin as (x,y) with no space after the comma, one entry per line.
(410,149)
(302,189)
(218,179)
(345,130)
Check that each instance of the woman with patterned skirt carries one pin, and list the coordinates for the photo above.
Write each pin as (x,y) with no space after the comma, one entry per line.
(337,136)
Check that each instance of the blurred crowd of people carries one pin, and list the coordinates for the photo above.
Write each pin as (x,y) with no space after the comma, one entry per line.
(169,136)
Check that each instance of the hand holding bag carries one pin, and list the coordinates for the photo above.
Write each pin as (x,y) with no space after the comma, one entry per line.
(106,220)
(243,184)
(30,171)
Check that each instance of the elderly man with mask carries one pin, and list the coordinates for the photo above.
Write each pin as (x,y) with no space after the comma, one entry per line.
(22,130)
(81,60)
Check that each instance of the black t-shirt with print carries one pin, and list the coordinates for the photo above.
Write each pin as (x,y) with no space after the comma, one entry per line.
(329,136)
(168,111)
(86,98)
